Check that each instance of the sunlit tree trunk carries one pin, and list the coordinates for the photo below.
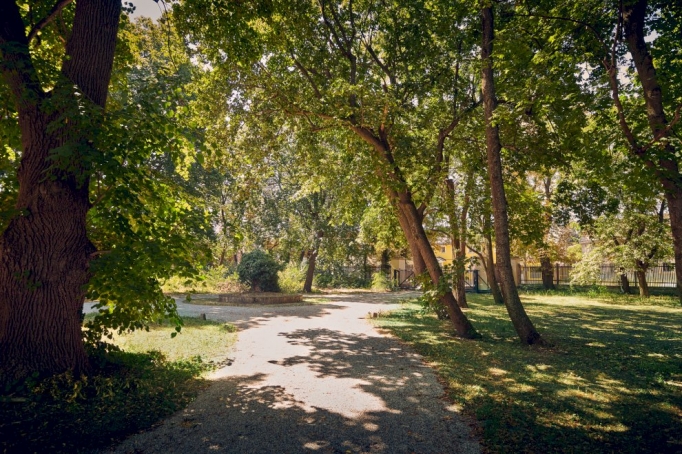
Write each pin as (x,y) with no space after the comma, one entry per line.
(663,157)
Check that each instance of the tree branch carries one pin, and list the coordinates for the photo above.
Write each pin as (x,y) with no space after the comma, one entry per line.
(42,23)
(17,67)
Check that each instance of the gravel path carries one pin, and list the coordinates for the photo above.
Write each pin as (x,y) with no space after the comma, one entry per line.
(315,378)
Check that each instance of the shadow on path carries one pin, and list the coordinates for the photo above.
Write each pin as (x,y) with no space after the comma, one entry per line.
(326,383)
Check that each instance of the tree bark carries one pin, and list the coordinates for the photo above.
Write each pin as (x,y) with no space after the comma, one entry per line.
(460,281)
(661,157)
(491,269)
(417,235)
(44,252)
(641,280)
(524,327)
(625,284)
(547,271)
(310,272)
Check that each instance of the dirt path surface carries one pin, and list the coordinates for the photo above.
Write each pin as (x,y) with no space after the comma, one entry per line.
(315,378)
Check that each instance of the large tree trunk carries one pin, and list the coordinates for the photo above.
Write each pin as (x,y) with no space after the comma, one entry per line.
(661,158)
(547,271)
(310,272)
(524,327)
(44,251)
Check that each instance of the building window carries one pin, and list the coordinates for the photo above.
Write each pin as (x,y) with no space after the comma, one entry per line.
(442,249)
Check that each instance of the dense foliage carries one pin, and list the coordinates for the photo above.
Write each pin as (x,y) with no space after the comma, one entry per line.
(259,271)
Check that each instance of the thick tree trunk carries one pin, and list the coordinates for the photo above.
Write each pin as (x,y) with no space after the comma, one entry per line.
(547,271)
(310,272)
(662,158)
(641,280)
(524,327)
(44,251)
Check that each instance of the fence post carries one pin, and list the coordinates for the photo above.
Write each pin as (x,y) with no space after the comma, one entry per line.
(476,281)
(518,276)
(557,273)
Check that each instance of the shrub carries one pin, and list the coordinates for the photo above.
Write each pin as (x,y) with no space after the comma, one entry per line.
(381,282)
(259,271)
(124,394)
(219,279)
(291,279)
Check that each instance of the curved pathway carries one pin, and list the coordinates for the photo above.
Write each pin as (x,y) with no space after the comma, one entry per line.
(315,378)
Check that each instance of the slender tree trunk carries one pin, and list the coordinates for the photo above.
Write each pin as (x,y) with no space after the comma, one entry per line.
(547,271)
(491,270)
(662,158)
(460,281)
(310,272)
(641,280)
(625,284)
(410,221)
(44,252)
(524,327)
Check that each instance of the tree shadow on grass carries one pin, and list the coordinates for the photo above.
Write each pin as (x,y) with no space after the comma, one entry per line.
(612,383)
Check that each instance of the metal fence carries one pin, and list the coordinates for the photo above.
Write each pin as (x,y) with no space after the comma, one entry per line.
(609,275)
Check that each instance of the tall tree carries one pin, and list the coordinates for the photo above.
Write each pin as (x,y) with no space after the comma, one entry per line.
(45,250)
(371,70)
(524,327)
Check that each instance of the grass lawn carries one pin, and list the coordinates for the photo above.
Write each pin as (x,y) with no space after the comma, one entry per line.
(205,338)
(612,382)
(125,392)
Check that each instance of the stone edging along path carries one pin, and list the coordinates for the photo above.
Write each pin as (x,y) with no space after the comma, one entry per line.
(314,378)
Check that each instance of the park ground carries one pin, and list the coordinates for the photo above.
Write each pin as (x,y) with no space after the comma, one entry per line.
(610,382)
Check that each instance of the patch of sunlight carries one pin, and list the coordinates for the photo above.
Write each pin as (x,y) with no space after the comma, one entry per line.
(580,394)
(606,381)
(599,413)
(370,427)
(615,427)
(669,408)
(521,388)
(596,344)
(569,379)
(656,355)
(560,419)
(673,383)
(496,372)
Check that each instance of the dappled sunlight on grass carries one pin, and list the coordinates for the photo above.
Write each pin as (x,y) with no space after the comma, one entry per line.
(611,382)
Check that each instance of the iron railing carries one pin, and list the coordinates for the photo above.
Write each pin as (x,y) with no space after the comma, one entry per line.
(609,275)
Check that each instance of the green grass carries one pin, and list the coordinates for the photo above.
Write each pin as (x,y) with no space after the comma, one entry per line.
(612,382)
(205,338)
(125,392)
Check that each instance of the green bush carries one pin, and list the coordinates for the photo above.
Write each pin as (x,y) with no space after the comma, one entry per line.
(123,394)
(381,282)
(220,279)
(259,271)
(291,278)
